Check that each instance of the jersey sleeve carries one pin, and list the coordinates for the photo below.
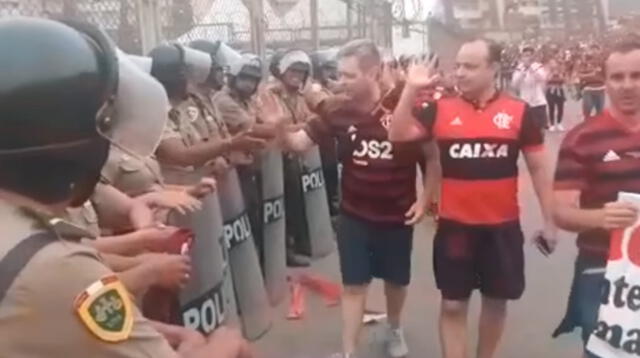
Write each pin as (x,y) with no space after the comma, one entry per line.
(426,113)
(531,132)
(571,169)
(63,272)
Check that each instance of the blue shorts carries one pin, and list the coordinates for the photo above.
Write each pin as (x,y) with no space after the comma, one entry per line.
(584,299)
(368,250)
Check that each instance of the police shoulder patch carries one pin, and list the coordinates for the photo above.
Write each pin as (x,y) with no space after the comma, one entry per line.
(105,309)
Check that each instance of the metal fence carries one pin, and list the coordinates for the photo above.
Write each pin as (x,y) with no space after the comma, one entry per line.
(304,24)
(119,18)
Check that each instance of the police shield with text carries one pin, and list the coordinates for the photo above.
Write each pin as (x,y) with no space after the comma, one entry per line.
(243,79)
(253,303)
(238,238)
(308,214)
(208,300)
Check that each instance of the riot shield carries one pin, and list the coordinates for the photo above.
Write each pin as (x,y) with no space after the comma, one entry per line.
(274,244)
(251,296)
(316,205)
(204,303)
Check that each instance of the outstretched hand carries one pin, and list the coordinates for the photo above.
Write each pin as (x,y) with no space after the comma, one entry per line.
(422,74)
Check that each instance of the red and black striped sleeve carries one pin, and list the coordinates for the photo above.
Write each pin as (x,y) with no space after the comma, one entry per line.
(571,170)
(531,133)
(426,112)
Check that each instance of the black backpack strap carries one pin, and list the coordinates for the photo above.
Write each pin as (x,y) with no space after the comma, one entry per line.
(19,256)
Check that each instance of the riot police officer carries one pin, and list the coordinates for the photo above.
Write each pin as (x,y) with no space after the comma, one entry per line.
(183,150)
(77,94)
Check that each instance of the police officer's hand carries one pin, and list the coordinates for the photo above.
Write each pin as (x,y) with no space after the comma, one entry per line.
(178,200)
(205,187)
(227,343)
(618,215)
(168,271)
(423,74)
(156,238)
(266,131)
(218,167)
(241,158)
(189,341)
(246,142)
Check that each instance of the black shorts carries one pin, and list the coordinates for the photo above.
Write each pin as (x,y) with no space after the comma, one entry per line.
(491,258)
(368,250)
(540,116)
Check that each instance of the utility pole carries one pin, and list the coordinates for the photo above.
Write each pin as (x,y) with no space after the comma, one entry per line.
(315,28)
(449,17)
(258,29)
(149,21)
(349,20)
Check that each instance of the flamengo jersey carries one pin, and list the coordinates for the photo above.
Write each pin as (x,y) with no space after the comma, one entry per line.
(378,177)
(479,149)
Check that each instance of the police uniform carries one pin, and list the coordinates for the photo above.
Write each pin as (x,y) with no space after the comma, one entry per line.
(132,174)
(294,104)
(205,117)
(238,115)
(85,217)
(68,302)
(180,126)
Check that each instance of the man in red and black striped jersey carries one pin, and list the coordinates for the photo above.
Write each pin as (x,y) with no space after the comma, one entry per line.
(478,243)
(379,204)
(598,159)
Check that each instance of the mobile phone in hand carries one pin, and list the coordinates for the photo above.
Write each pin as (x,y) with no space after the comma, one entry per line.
(543,245)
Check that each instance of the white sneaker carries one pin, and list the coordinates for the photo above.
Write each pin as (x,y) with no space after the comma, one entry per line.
(560,127)
(552,128)
(396,343)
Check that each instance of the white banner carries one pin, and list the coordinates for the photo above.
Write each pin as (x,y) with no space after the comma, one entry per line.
(617,334)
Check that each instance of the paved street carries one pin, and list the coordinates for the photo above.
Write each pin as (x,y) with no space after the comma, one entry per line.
(530,323)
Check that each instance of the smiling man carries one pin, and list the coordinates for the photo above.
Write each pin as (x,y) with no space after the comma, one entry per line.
(479,242)
(598,159)
(379,203)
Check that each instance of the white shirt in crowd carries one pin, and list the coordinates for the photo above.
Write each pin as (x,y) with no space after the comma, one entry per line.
(531,84)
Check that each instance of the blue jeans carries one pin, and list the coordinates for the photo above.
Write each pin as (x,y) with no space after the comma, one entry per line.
(592,100)
(584,300)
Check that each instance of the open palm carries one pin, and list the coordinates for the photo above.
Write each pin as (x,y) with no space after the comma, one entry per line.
(422,74)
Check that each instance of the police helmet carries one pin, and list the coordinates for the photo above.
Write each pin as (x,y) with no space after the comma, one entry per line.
(65,98)
(292,59)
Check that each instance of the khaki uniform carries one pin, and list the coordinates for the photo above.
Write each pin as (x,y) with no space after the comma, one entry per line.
(238,115)
(180,126)
(85,217)
(294,105)
(44,312)
(206,118)
(132,175)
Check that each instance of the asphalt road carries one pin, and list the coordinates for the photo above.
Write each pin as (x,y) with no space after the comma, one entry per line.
(531,319)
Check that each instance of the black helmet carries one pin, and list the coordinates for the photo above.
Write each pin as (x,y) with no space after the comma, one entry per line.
(57,82)
(169,68)
(174,66)
(248,66)
(323,60)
